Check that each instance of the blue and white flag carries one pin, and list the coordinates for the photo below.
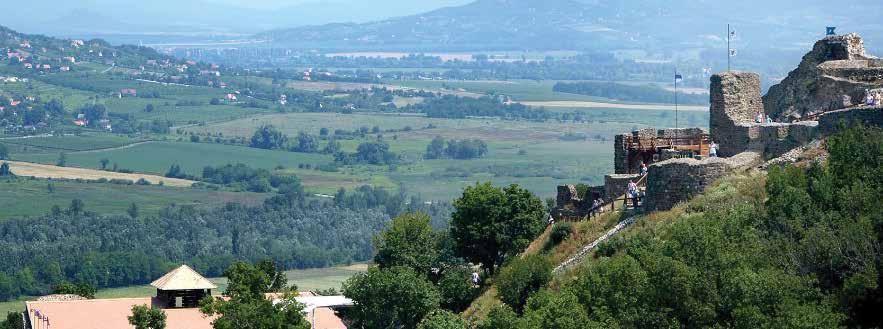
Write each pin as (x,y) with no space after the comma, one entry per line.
(678,77)
(732,52)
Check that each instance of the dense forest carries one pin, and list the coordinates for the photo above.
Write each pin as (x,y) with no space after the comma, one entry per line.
(76,245)
(622,92)
(454,107)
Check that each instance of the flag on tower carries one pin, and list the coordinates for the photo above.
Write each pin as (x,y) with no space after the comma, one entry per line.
(732,52)
(678,77)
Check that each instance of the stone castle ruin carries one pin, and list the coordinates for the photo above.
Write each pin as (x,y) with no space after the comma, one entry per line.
(829,87)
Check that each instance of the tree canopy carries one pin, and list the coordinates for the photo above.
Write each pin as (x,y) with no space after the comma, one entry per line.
(490,224)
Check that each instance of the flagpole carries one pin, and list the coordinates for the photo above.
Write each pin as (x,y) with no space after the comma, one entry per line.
(728,47)
(676,99)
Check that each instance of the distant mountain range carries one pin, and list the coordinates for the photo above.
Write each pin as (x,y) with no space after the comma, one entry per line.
(594,25)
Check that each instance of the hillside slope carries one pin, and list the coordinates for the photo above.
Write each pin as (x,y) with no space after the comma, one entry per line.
(583,25)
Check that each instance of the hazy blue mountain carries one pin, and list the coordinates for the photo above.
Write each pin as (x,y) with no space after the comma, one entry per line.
(101,18)
(595,24)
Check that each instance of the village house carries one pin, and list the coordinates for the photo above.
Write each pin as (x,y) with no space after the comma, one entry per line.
(128,92)
(178,293)
(65,68)
(70,59)
(230,97)
(28,65)
(76,43)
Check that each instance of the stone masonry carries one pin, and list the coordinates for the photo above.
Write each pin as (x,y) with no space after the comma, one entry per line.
(735,100)
(673,181)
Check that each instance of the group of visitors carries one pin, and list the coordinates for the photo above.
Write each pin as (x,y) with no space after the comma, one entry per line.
(634,194)
(761,117)
(873,97)
(597,207)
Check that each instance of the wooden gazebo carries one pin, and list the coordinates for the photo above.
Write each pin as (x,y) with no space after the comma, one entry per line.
(182,288)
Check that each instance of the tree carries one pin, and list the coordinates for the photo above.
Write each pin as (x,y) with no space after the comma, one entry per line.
(435,149)
(524,276)
(556,310)
(409,241)
(323,131)
(333,146)
(278,281)
(306,143)
(490,224)
(267,137)
(500,317)
(4,152)
(248,308)
(62,159)
(83,289)
(76,207)
(104,162)
(149,108)
(133,210)
(145,317)
(175,172)
(14,320)
(441,319)
(390,298)
(4,170)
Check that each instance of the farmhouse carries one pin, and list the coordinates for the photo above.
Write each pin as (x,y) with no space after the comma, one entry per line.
(128,92)
(177,293)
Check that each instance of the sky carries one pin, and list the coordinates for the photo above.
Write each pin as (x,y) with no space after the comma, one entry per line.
(71,17)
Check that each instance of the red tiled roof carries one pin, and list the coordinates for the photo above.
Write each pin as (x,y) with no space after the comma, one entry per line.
(108,314)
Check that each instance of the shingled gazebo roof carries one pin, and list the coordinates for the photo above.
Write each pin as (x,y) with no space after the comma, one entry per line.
(183,278)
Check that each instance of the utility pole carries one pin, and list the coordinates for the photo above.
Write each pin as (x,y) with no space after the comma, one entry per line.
(676,98)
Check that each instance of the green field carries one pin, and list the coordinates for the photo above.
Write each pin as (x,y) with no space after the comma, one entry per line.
(546,161)
(306,280)
(70,143)
(157,157)
(31,197)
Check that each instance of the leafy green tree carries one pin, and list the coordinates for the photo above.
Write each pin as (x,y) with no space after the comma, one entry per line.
(145,317)
(8,287)
(149,108)
(132,210)
(268,137)
(553,310)
(247,307)
(523,277)
(84,290)
(435,149)
(4,170)
(104,162)
(62,160)
(409,241)
(14,320)
(490,224)
(278,281)
(500,317)
(306,143)
(332,147)
(390,298)
(455,288)
(442,319)
(76,207)
(4,152)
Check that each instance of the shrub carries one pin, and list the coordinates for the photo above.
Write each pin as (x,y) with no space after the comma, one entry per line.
(523,277)
(442,319)
(560,232)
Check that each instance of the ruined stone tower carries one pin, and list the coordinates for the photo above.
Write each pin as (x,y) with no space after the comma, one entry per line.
(735,100)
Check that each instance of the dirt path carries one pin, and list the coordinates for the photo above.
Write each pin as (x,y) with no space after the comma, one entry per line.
(587,104)
(48,171)
(576,259)
(110,148)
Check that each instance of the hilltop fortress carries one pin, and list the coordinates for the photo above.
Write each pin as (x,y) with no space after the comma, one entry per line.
(831,85)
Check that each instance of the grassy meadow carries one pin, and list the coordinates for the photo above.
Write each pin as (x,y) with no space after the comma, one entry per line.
(21,197)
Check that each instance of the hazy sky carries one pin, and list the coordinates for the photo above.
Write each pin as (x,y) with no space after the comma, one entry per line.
(274,4)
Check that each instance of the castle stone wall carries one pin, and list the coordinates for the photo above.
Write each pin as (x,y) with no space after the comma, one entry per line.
(828,123)
(673,181)
(617,185)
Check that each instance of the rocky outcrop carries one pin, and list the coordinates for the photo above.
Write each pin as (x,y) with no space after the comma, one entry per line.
(834,75)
